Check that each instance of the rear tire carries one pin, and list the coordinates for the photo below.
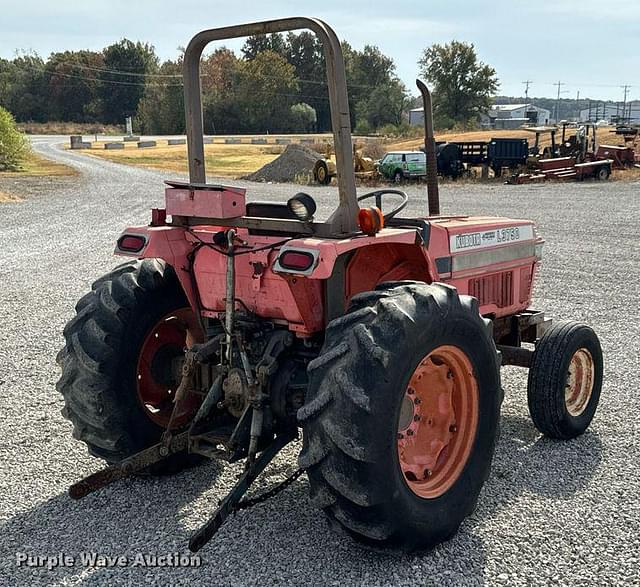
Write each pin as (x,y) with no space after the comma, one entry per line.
(603,173)
(565,380)
(355,403)
(398,176)
(100,361)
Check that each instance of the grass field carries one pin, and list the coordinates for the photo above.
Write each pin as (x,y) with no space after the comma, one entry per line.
(33,166)
(234,161)
(220,159)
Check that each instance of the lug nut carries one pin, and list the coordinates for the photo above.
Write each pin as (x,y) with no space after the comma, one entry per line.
(400,436)
(417,401)
(409,432)
(416,418)
(453,428)
(428,473)
(411,391)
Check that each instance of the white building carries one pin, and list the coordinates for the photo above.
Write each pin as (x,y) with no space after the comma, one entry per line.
(610,112)
(515,115)
(416,117)
(500,116)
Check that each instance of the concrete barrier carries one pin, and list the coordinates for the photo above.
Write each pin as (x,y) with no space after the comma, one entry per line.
(208,140)
(145,144)
(131,139)
(177,141)
(233,141)
(114,146)
(258,141)
(283,141)
(77,142)
(307,141)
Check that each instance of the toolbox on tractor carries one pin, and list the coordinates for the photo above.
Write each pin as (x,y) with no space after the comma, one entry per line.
(234,324)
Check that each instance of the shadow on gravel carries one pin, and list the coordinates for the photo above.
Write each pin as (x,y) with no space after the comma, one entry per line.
(526,461)
(284,540)
(131,516)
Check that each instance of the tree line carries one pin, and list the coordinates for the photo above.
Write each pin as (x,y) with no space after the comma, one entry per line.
(276,84)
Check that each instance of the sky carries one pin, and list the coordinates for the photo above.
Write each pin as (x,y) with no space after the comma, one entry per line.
(589,45)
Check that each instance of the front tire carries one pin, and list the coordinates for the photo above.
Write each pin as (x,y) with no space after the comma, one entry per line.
(369,480)
(116,397)
(565,379)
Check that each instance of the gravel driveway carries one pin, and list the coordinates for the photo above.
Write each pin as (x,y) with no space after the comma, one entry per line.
(551,512)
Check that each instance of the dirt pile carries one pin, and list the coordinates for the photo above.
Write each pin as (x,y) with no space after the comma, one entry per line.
(294,164)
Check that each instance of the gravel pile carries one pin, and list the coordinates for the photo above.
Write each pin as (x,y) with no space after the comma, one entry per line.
(294,164)
(560,513)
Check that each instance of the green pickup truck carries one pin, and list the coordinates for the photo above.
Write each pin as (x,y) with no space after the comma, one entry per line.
(399,165)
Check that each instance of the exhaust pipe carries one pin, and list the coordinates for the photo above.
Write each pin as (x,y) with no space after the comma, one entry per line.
(433,195)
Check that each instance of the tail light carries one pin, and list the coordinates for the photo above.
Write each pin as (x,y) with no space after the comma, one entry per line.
(296,260)
(131,243)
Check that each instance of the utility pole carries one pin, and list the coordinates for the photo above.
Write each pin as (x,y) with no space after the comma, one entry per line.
(526,90)
(559,84)
(578,104)
(624,103)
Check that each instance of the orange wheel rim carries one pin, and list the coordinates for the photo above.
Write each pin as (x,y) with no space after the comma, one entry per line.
(438,421)
(159,367)
(579,384)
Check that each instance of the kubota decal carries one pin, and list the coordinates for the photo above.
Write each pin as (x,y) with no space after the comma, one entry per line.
(490,238)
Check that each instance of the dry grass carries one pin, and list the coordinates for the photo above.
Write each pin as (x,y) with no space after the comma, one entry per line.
(604,136)
(68,128)
(36,166)
(5,197)
(33,167)
(233,161)
(221,160)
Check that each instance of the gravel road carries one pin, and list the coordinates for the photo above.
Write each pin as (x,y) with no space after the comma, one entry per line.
(564,513)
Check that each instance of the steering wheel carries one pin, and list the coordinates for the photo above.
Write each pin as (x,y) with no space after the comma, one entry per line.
(378,196)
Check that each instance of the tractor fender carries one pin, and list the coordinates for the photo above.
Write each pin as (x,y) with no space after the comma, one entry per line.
(353,265)
(168,243)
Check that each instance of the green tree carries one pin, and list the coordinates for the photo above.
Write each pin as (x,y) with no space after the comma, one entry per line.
(73,85)
(13,145)
(256,44)
(122,84)
(303,117)
(25,88)
(376,96)
(222,106)
(161,109)
(304,52)
(266,90)
(462,85)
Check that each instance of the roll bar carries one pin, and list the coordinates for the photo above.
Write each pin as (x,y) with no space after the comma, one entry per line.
(343,219)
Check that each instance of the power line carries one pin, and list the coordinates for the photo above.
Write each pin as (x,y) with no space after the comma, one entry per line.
(559,84)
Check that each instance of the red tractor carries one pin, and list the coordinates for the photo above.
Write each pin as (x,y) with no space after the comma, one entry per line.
(236,323)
